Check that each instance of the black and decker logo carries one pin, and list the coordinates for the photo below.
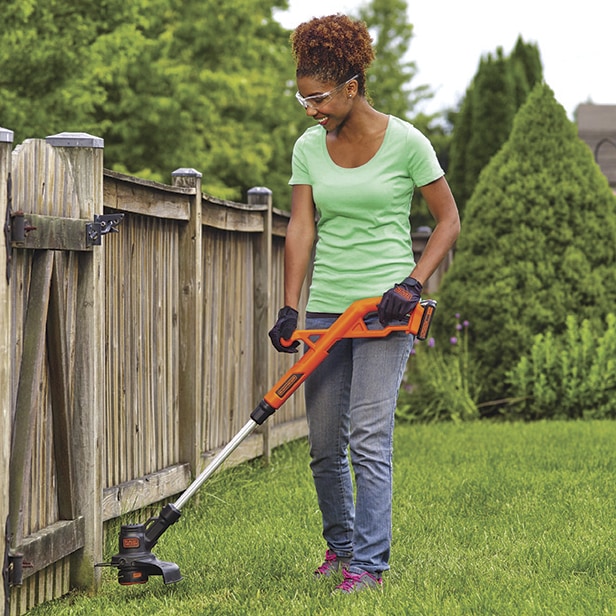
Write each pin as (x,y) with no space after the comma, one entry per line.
(404,293)
(130,542)
(282,391)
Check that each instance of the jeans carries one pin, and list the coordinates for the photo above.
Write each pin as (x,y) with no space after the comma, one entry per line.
(350,403)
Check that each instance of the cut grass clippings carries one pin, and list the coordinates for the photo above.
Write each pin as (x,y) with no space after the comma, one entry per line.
(489,518)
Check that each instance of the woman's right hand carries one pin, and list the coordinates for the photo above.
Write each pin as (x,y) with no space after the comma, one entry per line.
(283,330)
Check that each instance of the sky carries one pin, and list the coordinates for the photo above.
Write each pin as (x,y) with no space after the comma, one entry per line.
(576,42)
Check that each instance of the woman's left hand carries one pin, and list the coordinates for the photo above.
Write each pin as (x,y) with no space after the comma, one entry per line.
(397,303)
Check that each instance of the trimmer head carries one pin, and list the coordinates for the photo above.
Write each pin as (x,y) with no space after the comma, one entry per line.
(135,561)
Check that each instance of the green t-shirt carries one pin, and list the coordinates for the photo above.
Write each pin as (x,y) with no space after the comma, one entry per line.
(363,229)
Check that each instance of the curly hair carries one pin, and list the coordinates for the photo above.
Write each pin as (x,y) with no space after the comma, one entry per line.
(332,49)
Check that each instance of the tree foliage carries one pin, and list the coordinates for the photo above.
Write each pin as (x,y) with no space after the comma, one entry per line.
(498,89)
(166,83)
(171,83)
(538,242)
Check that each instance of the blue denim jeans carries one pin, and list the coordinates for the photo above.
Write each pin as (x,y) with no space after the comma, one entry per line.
(350,404)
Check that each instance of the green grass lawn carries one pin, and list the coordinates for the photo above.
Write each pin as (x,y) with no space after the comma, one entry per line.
(489,518)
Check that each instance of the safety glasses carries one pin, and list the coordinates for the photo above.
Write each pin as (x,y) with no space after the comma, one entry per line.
(318,100)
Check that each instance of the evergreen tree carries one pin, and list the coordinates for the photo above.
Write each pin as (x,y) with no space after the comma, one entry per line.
(526,66)
(458,173)
(538,243)
(496,92)
(492,111)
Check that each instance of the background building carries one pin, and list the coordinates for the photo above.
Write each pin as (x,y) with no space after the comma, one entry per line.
(597,127)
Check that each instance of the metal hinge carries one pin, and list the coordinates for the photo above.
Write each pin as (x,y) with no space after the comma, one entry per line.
(16,566)
(103,224)
(7,228)
(13,565)
(5,571)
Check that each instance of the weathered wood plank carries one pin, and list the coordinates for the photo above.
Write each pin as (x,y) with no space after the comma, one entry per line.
(139,493)
(29,385)
(280,221)
(6,350)
(88,399)
(263,311)
(250,449)
(231,217)
(191,324)
(51,544)
(129,194)
(51,233)
(59,385)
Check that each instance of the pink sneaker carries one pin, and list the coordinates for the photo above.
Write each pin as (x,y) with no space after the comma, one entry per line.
(332,564)
(354,582)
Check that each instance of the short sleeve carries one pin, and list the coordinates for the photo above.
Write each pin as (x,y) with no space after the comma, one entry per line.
(424,166)
(299,167)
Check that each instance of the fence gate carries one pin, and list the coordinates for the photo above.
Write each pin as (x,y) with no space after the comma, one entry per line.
(54,527)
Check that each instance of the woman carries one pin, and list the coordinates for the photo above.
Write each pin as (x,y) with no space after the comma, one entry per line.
(355,171)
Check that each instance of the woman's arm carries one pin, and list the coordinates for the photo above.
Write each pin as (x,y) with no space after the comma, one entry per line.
(301,233)
(443,208)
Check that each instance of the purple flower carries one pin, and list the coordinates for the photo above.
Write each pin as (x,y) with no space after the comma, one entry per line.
(453,340)
(458,326)
(457,315)
(466,323)
(431,342)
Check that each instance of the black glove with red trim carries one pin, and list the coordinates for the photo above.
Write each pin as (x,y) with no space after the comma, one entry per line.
(398,302)
(284,328)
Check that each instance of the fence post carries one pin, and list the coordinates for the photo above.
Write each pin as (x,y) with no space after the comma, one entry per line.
(191,324)
(6,142)
(263,311)
(84,153)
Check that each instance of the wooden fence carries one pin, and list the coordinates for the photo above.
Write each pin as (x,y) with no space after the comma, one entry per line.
(128,358)
(6,140)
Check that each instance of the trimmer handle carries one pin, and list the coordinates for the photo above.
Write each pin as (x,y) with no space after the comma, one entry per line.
(350,324)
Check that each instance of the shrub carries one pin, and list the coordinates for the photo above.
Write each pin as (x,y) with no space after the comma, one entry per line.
(569,376)
(538,242)
(440,383)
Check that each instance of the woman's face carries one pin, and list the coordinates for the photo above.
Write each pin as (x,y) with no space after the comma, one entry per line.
(328,103)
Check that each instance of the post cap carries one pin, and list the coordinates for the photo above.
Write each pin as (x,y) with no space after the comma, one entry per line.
(259,190)
(75,140)
(186,172)
(259,195)
(6,135)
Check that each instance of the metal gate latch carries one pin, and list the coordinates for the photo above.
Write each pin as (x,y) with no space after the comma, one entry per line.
(103,224)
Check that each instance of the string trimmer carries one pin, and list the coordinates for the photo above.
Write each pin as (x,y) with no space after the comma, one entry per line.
(135,561)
